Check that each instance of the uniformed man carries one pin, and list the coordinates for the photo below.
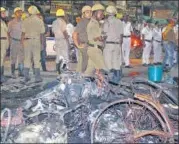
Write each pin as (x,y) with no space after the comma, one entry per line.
(43,47)
(147,40)
(80,39)
(61,40)
(16,49)
(169,45)
(157,41)
(32,28)
(126,45)
(113,28)
(4,43)
(95,41)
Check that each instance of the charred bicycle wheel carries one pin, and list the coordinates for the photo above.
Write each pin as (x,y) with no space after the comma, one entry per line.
(129,121)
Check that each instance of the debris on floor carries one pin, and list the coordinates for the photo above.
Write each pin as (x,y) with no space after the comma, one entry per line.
(74,109)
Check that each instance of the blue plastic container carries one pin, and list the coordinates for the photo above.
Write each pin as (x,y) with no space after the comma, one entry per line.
(155,73)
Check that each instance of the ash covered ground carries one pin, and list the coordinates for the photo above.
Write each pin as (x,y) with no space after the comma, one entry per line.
(74,109)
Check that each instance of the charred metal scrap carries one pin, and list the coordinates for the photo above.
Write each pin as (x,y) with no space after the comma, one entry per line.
(89,110)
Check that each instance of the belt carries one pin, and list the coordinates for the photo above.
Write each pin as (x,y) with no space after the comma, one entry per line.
(92,45)
(126,36)
(3,38)
(15,39)
(29,38)
(110,42)
(158,41)
(148,40)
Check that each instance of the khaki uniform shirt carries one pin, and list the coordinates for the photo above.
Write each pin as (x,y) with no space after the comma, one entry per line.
(15,28)
(4,29)
(33,27)
(113,28)
(170,36)
(93,31)
(58,27)
(81,30)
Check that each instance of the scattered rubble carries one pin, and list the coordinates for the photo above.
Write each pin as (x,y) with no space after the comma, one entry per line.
(74,109)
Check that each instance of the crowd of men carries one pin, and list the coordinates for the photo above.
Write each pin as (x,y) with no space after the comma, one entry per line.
(26,35)
(103,42)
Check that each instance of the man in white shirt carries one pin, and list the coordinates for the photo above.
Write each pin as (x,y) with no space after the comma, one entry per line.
(126,40)
(157,41)
(147,40)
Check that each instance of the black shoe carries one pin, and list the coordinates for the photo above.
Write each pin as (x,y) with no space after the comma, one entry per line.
(145,65)
(2,77)
(116,77)
(128,66)
(21,70)
(159,63)
(13,68)
(38,77)
(58,68)
(43,66)
(26,75)
(166,69)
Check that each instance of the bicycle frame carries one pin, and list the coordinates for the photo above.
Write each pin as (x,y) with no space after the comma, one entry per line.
(154,106)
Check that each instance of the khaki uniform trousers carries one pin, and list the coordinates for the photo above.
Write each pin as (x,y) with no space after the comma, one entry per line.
(95,60)
(112,56)
(32,48)
(16,52)
(61,47)
(82,60)
(4,47)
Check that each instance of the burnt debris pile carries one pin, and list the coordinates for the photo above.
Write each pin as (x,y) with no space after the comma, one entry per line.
(89,110)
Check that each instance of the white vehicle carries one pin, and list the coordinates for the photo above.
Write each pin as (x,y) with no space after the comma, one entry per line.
(50,43)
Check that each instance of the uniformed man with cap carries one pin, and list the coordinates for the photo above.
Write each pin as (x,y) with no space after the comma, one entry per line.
(61,40)
(16,49)
(80,38)
(4,42)
(157,43)
(95,41)
(113,28)
(147,40)
(126,45)
(32,28)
